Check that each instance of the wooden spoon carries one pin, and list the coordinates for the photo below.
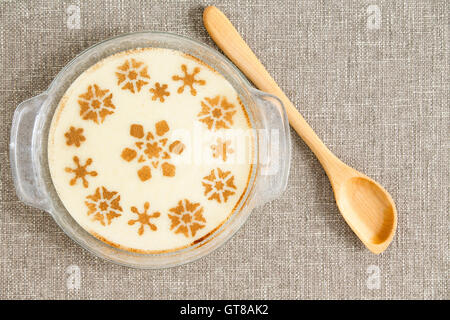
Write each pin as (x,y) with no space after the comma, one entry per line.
(365,205)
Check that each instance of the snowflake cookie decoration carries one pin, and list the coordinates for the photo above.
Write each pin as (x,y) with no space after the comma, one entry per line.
(144,218)
(189,80)
(81,171)
(132,75)
(219,185)
(104,205)
(74,136)
(153,150)
(222,149)
(159,92)
(217,113)
(187,218)
(95,104)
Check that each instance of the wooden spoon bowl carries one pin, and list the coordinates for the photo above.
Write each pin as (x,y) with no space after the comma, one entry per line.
(369,210)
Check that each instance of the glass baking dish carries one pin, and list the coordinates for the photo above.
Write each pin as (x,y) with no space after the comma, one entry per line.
(30,130)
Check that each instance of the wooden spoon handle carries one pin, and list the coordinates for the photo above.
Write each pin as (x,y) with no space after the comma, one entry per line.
(229,40)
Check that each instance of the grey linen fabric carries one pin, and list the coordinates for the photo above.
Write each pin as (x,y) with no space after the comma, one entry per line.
(375,90)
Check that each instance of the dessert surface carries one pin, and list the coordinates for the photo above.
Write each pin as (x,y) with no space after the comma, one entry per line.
(150,150)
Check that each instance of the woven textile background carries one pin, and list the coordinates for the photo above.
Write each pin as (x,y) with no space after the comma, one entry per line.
(376,91)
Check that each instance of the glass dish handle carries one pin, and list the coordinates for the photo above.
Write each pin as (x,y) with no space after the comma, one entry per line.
(274,147)
(21,152)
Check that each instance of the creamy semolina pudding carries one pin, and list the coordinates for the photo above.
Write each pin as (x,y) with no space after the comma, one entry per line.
(139,153)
